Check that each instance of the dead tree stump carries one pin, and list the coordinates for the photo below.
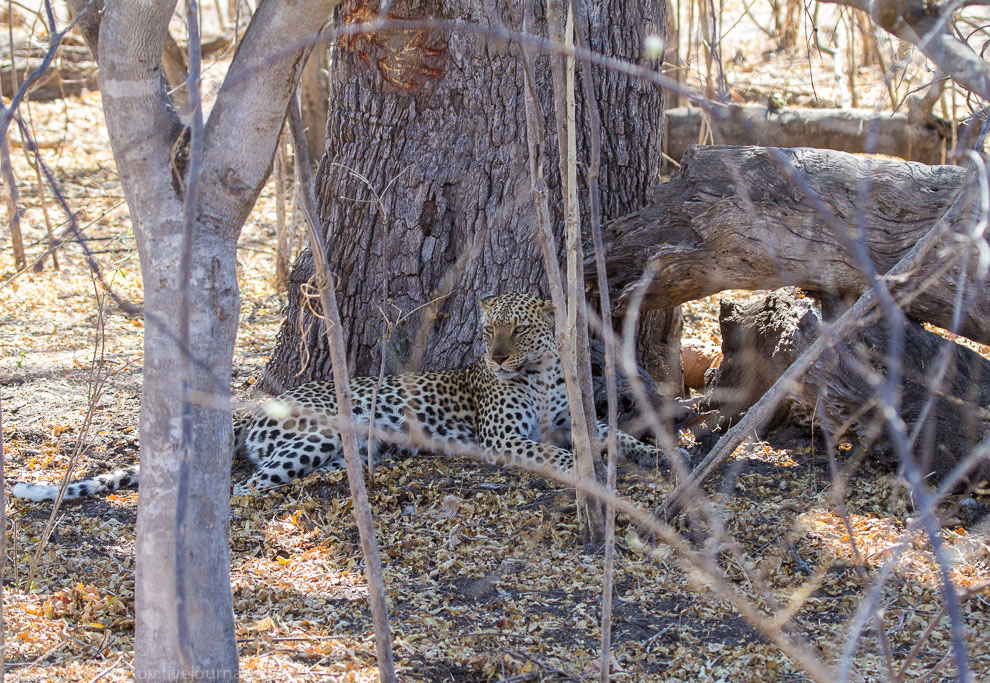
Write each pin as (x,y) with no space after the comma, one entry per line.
(945,390)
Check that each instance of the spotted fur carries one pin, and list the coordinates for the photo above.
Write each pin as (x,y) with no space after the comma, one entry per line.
(511,402)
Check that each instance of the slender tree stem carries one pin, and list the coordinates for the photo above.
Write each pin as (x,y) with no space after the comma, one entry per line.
(194,115)
(583,421)
(611,441)
(355,473)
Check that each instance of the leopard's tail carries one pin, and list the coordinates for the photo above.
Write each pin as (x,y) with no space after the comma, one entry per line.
(80,488)
(106,483)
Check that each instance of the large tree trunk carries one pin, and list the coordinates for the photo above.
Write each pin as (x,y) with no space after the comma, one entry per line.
(425,193)
(732,219)
(184,615)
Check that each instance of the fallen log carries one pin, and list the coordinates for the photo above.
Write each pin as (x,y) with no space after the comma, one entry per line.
(761,339)
(849,322)
(733,219)
(910,135)
(69,74)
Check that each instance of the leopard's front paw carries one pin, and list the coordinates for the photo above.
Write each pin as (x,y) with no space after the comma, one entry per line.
(647,456)
(241,490)
(653,457)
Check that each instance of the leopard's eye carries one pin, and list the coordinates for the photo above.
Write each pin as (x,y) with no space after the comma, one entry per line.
(520,329)
(487,329)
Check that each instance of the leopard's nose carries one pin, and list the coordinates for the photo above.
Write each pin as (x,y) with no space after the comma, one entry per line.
(499,358)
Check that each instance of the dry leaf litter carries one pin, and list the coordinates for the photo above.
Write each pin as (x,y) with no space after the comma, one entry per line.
(485,578)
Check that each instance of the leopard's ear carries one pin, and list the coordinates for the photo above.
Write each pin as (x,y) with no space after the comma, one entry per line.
(547,309)
(485,301)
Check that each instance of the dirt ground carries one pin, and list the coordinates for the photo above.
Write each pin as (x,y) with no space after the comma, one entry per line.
(484,575)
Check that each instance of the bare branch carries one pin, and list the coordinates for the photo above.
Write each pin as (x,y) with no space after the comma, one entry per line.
(757,416)
(254,96)
(54,40)
(13,205)
(193,94)
(355,473)
(926,26)
(535,142)
(712,228)
(915,135)
(611,393)
(585,441)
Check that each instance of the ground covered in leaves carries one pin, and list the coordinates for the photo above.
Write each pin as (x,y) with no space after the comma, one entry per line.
(485,577)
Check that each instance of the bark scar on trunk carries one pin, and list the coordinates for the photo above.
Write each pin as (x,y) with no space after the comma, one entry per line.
(405,58)
(231,179)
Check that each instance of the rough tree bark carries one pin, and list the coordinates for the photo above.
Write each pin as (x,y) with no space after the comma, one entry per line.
(425,192)
(761,339)
(659,332)
(732,219)
(238,145)
(913,135)
(88,25)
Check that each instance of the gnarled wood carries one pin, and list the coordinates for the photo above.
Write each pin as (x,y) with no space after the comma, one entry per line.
(760,340)
(733,219)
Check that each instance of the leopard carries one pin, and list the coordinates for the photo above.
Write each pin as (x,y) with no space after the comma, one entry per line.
(511,403)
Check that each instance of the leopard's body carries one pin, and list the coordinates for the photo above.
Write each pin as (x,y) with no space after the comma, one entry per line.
(511,403)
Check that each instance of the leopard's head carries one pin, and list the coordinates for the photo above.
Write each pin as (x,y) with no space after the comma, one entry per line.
(518,331)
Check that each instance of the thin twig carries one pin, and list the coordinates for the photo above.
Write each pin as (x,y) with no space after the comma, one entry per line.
(102,673)
(283,239)
(355,473)
(54,40)
(96,382)
(547,242)
(15,211)
(756,417)
(611,393)
(929,628)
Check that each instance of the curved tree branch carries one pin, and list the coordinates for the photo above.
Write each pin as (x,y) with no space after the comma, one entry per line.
(141,123)
(927,27)
(253,99)
(731,220)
